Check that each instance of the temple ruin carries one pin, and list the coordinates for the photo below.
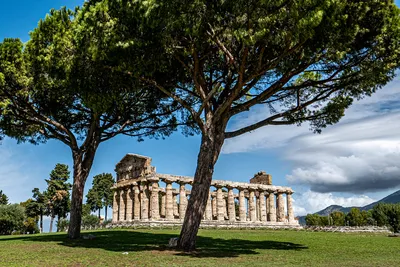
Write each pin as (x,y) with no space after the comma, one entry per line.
(140,199)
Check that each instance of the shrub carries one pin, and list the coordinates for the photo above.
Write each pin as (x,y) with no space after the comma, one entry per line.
(11,218)
(90,221)
(62,225)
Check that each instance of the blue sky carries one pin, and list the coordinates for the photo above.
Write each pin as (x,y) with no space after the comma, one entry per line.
(358,159)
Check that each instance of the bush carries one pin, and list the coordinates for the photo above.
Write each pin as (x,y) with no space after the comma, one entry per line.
(388,214)
(62,225)
(106,222)
(12,218)
(30,226)
(90,221)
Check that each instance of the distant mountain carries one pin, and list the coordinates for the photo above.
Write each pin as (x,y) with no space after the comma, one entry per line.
(393,198)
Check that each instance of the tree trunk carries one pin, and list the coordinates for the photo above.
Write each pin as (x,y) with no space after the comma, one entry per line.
(99,214)
(105,214)
(41,222)
(51,224)
(81,171)
(210,148)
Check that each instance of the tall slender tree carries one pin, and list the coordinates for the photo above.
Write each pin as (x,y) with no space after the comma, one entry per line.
(37,207)
(305,60)
(57,193)
(51,88)
(3,198)
(100,195)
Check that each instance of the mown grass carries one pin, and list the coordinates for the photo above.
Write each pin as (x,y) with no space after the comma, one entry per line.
(215,248)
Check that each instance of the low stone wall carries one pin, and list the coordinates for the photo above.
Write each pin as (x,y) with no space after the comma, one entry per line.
(207,224)
(347,229)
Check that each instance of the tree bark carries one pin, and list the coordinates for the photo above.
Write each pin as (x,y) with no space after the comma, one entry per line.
(51,224)
(211,144)
(99,214)
(41,222)
(82,166)
(105,214)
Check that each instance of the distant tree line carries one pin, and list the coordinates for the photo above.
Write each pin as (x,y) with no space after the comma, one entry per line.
(55,202)
(383,214)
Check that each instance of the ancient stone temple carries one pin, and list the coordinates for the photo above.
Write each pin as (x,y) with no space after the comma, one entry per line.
(144,197)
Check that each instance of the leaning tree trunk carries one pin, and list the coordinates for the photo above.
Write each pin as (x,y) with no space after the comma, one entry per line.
(51,223)
(210,149)
(82,166)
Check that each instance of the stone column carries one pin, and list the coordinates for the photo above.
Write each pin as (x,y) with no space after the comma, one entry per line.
(115,206)
(208,212)
(252,207)
(176,209)
(242,205)
(263,211)
(144,203)
(280,216)
(214,207)
(129,204)
(182,201)
(163,198)
(258,215)
(169,205)
(154,205)
(231,205)
(271,207)
(220,204)
(122,204)
(136,202)
(290,206)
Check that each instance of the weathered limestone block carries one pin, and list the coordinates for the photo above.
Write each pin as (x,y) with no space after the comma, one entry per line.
(182,201)
(136,202)
(169,205)
(271,207)
(144,203)
(133,166)
(214,207)
(258,211)
(242,205)
(154,204)
(163,199)
(252,206)
(262,207)
(261,178)
(208,213)
(115,206)
(290,207)
(122,205)
(280,216)
(129,204)
(176,208)
(220,205)
(231,205)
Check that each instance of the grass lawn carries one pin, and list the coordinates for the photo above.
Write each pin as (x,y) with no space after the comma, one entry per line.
(215,248)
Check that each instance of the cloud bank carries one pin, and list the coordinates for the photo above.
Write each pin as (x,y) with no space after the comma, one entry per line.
(359,154)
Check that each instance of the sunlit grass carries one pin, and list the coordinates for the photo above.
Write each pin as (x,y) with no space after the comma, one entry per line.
(215,248)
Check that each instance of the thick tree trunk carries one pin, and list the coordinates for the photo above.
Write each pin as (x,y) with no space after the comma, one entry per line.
(51,223)
(209,151)
(81,172)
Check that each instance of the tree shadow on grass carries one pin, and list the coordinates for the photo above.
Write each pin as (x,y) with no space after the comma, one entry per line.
(131,241)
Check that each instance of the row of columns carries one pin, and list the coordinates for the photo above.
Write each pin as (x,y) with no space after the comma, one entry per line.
(146,201)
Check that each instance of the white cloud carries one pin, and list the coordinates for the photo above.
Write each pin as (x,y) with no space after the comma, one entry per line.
(311,202)
(12,177)
(359,154)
